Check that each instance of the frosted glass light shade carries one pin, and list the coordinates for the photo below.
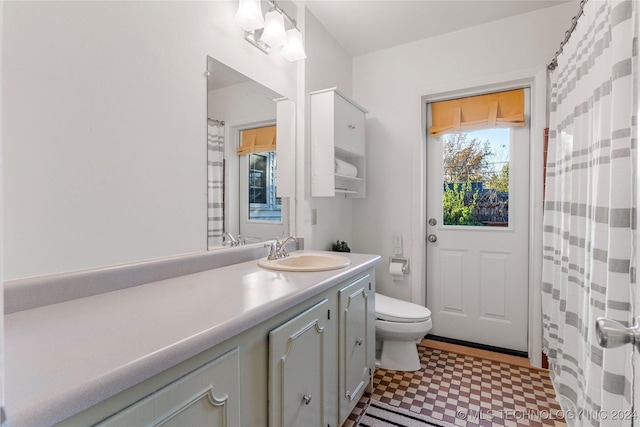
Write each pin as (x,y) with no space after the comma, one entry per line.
(293,50)
(274,34)
(249,15)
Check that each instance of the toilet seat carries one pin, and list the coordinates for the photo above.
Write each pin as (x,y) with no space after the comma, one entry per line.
(402,331)
(394,310)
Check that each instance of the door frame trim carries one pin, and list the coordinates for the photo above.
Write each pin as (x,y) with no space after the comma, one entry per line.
(536,80)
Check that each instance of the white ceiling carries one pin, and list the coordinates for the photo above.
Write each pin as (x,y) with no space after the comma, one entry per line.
(363,26)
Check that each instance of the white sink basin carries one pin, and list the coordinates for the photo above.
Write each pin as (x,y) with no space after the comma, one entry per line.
(306,262)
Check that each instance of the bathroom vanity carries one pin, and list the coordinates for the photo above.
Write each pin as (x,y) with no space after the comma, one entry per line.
(232,345)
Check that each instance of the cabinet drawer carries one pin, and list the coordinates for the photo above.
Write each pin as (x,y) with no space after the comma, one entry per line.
(208,396)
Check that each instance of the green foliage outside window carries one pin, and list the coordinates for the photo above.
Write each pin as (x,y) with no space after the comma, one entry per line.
(454,209)
(500,182)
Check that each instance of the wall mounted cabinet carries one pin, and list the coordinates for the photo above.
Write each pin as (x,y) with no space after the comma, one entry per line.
(337,132)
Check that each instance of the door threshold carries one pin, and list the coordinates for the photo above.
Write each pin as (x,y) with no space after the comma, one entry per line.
(501,350)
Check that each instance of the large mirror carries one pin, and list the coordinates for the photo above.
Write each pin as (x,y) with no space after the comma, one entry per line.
(242,161)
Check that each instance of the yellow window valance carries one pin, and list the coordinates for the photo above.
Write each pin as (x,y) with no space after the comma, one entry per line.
(500,109)
(258,140)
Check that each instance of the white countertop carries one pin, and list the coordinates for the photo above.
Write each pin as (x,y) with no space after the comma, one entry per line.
(63,358)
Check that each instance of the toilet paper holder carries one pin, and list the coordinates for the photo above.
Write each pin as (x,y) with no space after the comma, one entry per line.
(404,261)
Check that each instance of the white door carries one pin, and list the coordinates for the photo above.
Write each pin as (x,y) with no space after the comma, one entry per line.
(477,274)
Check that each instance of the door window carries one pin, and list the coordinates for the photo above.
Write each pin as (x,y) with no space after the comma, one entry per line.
(475,177)
(263,203)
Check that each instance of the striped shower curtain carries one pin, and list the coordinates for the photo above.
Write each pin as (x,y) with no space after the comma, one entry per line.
(589,217)
(215,183)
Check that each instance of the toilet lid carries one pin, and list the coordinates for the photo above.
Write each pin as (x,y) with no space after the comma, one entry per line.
(396,310)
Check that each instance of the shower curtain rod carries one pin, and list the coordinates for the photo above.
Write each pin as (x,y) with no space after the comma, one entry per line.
(574,22)
(217,122)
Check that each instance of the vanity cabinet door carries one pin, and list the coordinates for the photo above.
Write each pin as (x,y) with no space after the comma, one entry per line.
(297,369)
(209,396)
(357,341)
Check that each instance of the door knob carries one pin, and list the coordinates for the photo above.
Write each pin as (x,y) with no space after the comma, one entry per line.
(359,341)
(432,238)
(307,399)
(611,334)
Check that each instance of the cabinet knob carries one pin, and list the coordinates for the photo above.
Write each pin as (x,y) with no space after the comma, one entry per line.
(306,399)
(359,341)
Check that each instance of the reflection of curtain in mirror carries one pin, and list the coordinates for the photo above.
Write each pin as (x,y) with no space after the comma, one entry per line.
(215,182)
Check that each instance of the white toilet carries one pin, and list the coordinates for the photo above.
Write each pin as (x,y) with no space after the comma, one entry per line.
(399,326)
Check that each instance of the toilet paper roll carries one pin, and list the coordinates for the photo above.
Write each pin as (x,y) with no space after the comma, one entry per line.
(395,269)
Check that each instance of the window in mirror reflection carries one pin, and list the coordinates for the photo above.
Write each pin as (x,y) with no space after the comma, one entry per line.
(257,147)
(263,203)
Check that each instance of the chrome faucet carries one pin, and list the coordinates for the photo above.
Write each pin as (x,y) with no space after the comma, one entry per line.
(228,238)
(279,249)
(282,249)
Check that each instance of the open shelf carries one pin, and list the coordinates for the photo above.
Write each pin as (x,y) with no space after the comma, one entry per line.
(345,191)
(348,178)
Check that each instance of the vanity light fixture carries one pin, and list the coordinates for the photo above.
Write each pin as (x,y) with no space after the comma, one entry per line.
(249,15)
(272,32)
(293,50)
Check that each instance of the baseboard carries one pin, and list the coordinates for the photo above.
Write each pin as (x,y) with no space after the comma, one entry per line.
(478,346)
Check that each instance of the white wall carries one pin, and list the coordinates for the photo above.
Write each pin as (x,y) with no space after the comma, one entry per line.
(390,84)
(327,65)
(105,127)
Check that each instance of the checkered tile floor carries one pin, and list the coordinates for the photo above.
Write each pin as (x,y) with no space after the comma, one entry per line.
(461,390)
